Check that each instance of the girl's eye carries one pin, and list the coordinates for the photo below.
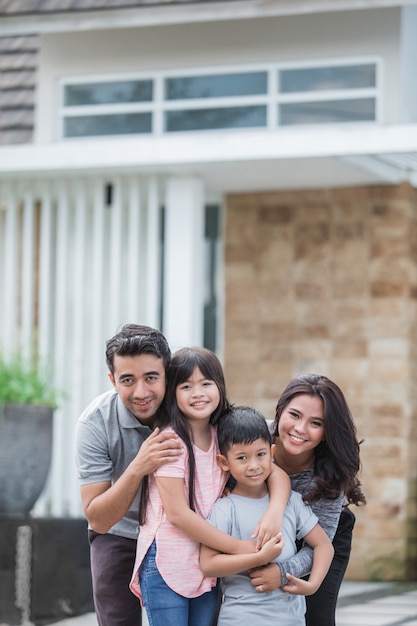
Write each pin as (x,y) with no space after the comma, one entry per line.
(294,415)
(208,383)
(317,424)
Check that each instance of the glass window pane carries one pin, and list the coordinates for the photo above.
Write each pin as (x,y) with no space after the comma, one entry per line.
(327,111)
(108,93)
(210,119)
(324,78)
(216,86)
(99,125)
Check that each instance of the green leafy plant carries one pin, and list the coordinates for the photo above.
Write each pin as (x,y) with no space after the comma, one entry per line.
(23,383)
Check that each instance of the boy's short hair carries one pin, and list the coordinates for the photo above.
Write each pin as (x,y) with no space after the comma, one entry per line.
(241,424)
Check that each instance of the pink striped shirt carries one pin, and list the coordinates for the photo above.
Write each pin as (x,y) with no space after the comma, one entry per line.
(177,556)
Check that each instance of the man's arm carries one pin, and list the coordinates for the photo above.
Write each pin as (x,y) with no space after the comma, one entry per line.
(105,504)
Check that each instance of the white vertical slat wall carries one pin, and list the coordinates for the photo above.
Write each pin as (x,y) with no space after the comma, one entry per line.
(74,268)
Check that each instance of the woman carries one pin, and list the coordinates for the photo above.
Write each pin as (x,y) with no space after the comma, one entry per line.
(316,445)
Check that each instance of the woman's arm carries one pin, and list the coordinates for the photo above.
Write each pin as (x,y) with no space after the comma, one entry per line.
(214,563)
(279,488)
(193,525)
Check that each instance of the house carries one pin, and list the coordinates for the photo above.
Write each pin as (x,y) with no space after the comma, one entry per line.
(239,173)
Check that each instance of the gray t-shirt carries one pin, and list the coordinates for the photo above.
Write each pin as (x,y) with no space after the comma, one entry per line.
(238,516)
(107,439)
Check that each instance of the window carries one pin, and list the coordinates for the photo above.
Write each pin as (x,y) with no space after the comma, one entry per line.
(261,97)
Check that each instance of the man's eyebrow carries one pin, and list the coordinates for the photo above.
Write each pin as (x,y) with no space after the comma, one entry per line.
(129,375)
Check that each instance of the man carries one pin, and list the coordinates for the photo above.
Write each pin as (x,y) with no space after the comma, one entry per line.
(115,449)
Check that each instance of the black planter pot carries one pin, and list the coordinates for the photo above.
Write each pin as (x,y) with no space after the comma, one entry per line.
(25,456)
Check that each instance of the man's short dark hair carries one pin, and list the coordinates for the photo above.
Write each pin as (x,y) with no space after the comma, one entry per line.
(135,339)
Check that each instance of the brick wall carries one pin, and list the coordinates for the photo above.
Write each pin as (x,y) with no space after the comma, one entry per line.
(325,281)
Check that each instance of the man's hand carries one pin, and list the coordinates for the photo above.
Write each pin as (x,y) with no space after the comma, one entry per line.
(266,578)
(158,449)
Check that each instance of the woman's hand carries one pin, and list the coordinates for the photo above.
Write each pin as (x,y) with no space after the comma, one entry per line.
(267,578)
(299,586)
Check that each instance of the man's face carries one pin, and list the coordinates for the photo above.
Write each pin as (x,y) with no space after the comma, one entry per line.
(140,382)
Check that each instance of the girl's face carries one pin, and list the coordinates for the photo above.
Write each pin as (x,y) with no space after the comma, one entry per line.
(198,397)
(301,426)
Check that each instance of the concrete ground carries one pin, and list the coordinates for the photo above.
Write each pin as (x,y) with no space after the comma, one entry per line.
(359,604)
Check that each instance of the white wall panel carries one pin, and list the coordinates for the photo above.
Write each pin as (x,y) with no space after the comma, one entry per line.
(74,269)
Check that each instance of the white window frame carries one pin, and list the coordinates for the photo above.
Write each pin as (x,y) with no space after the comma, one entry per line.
(271,99)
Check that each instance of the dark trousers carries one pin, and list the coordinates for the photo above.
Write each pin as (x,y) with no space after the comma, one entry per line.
(321,606)
(112,561)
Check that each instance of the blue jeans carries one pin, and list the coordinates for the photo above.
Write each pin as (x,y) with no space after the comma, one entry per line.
(165,607)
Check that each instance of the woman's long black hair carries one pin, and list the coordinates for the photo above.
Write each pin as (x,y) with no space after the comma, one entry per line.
(182,366)
(336,462)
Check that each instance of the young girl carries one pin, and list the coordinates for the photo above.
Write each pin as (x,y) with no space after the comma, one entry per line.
(166,575)
(316,445)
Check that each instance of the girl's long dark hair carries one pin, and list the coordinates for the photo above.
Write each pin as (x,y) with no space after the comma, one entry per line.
(182,366)
(337,462)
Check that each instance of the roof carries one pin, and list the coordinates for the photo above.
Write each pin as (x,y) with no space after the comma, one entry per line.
(22,20)
(18,64)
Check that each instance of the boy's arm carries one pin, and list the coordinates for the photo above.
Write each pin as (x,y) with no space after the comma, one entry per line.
(279,488)
(214,563)
(322,557)
(193,525)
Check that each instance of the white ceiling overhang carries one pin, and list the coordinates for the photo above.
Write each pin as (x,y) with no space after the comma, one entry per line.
(149,13)
(236,161)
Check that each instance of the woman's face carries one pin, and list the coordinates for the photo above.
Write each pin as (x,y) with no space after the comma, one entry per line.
(301,425)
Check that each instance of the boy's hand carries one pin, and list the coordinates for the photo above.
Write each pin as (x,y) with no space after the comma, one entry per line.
(298,586)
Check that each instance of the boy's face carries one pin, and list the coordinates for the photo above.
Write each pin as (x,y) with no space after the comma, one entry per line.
(249,463)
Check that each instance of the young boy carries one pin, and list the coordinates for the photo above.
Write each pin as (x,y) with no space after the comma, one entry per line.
(246,451)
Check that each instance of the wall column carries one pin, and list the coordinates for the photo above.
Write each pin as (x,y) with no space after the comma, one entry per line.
(184,262)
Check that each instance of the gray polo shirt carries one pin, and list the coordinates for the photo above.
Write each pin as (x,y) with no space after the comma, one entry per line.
(107,439)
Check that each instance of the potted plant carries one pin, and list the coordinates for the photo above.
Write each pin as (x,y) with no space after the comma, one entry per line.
(27,403)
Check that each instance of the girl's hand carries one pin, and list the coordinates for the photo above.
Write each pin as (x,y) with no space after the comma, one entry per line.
(272,548)
(266,529)
(298,586)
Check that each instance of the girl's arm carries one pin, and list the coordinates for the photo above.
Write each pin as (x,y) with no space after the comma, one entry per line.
(214,563)
(279,488)
(193,525)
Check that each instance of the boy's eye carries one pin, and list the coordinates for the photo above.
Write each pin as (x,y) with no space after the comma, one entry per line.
(241,458)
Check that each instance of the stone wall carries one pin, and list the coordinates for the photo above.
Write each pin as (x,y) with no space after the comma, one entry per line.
(325,281)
